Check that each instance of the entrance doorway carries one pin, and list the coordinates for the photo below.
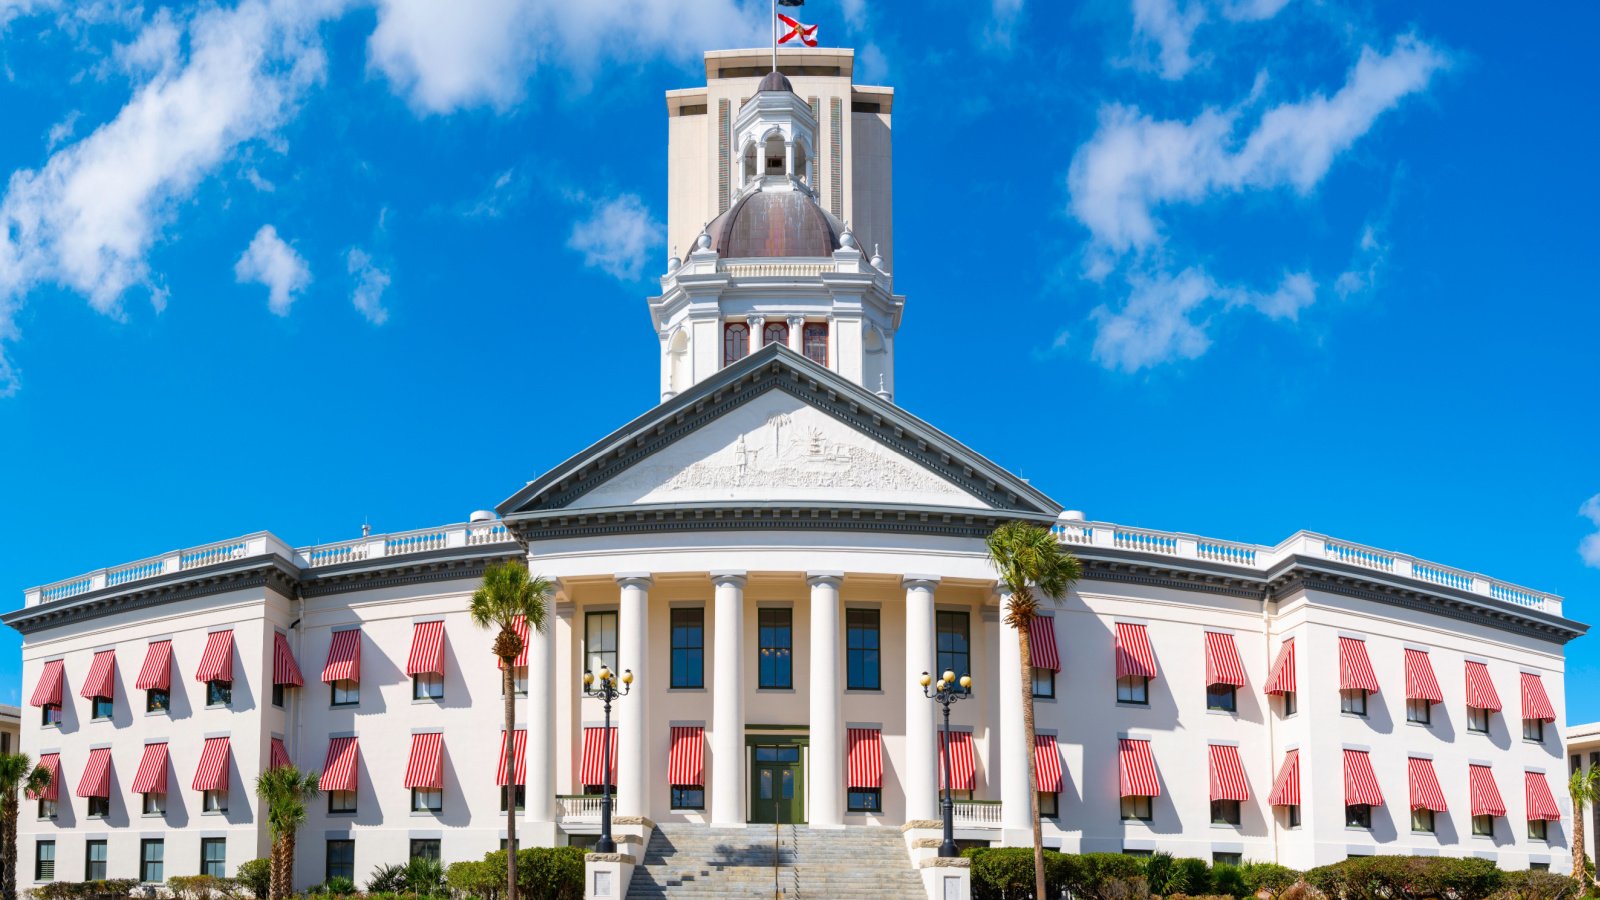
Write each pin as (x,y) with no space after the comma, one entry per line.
(777,788)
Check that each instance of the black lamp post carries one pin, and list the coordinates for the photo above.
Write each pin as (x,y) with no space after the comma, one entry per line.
(944,692)
(605,690)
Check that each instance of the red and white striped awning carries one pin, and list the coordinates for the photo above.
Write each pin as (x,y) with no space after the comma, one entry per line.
(1286,787)
(48,691)
(1535,702)
(50,762)
(686,758)
(339,772)
(152,775)
(1046,764)
(521,625)
(1425,790)
(1486,800)
(1541,803)
(1360,784)
(427,650)
(1042,643)
(865,759)
(519,748)
(1227,774)
(280,755)
(963,764)
(1134,656)
(156,673)
(1480,688)
(1420,683)
(1355,669)
(216,664)
(102,680)
(594,751)
(344,657)
(1137,769)
(96,780)
(1281,681)
(426,768)
(212,774)
(1222,660)
(284,669)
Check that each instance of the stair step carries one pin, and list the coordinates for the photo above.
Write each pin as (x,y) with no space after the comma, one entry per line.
(692,861)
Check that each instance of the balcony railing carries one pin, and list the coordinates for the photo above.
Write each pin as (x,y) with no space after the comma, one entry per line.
(579,808)
(977,813)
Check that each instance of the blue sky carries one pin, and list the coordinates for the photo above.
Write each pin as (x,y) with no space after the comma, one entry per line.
(1235,267)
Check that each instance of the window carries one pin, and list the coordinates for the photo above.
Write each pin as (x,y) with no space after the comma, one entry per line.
(522,798)
(816,342)
(1137,854)
(214,857)
(1477,720)
(1291,703)
(50,715)
(1133,689)
(219,693)
(154,804)
(1044,683)
(1533,730)
(427,800)
(100,708)
(689,648)
(1224,697)
(1227,859)
(47,808)
(1537,830)
(600,641)
(1419,711)
(1353,702)
(688,797)
(1137,808)
(345,692)
(1483,826)
(5,743)
(214,802)
(152,855)
(427,686)
(277,695)
(777,646)
(776,333)
(865,800)
(341,801)
(341,859)
(425,848)
(1358,815)
(861,641)
(157,700)
(519,681)
(94,860)
(44,861)
(99,807)
(735,342)
(1049,804)
(1538,867)
(1422,820)
(1224,812)
(1294,816)
(954,645)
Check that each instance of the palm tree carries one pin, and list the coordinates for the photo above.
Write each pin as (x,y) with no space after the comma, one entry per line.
(285,790)
(1583,786)
(509,596)
(1032,564)
(17,772)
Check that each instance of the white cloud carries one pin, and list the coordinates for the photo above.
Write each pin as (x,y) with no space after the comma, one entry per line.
(1252,10)
(1589,547)
(1135,163)
(1171,30)
(62,131)
(1165,317)
(271,262)
(508,190)
(1369,258)
(449,56)
(371,282)
(617,237)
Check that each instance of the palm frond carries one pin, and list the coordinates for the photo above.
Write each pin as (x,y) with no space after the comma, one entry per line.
(1032,565)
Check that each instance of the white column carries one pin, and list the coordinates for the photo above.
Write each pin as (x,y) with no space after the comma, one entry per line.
(633,725)
(788,158)
(542,729)
(826,778)
(922,761)
(727,701)
(1013,755)
(797,328)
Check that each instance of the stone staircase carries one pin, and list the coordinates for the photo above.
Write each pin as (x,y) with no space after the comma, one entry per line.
(832,864)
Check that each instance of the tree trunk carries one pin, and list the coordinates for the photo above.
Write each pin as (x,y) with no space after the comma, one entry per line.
(8,835)
(1028,742)
(509,686)
(288,862)
(1578,855)
(282,868)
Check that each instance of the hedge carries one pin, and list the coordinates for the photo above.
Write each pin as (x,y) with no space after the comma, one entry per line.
(555,873)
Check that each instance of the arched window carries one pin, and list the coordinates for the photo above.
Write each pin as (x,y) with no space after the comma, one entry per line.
(816,342)
(776,333)
(774,155)
(735,342)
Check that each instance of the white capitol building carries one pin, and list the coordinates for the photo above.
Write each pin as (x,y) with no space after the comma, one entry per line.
(778,551)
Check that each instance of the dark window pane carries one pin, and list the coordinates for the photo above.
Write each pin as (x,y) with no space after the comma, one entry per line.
(341,860)
(776,648)
(688,648)
(425,848)
(214,857)
(1222,696)
(735,342)
(861,650)
(954,646)
(816,342)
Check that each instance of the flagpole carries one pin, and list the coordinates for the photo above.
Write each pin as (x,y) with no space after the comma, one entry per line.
(774,35)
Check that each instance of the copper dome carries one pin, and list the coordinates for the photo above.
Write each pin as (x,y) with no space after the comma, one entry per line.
(775,81)
(774,223)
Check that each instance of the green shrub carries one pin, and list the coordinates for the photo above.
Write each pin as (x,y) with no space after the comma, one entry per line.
(107,889)
(1264,876)
(1099,869)
(387,879)
(340,886)
(1229,881)
(201,887)
(425,877)
(1536,886)
(255,876)
(1407,878)
(475,879)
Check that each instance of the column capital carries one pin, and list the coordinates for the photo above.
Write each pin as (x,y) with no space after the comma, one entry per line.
(796,321)
(756,322)
(816,578)
(910,582)
(635,579)
(735,577)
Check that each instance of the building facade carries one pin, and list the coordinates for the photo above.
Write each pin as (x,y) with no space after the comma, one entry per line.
(777,552)
(1583,754)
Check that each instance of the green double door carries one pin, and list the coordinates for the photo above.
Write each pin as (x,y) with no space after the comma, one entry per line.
(777,787)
